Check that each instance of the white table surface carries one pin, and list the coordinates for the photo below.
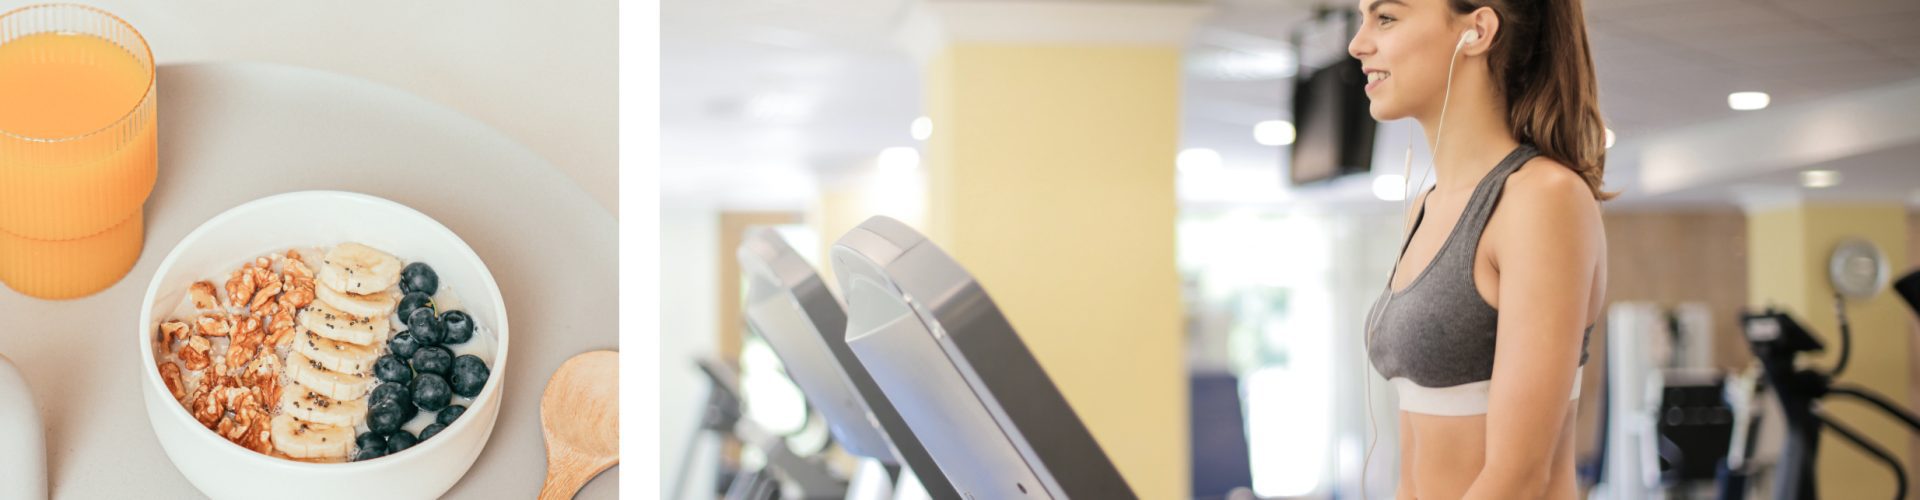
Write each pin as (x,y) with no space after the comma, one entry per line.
(544,73)
(231,133)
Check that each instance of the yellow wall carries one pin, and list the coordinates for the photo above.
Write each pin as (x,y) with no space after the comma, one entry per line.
(835,212)
(1051,178)
(1788,269)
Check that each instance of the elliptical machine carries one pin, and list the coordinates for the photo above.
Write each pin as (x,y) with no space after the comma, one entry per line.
(1776,340)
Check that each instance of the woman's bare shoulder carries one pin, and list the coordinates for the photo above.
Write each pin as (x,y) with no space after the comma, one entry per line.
(1546,201)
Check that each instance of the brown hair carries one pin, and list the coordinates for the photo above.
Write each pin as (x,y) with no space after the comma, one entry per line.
(1544,69)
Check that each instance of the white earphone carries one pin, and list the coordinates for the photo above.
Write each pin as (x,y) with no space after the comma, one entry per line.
(1406,188)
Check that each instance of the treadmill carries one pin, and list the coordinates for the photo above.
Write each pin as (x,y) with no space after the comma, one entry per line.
(789,305)
(963,381)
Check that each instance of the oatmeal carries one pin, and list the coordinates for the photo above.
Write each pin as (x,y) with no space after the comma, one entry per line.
(346,354)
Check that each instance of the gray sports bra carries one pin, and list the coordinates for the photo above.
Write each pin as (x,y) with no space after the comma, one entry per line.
(1434,340)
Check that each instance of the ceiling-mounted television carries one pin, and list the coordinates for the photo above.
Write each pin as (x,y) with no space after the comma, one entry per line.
(1335,130)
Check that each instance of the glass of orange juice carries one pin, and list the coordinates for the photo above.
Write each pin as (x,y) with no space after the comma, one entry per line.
(78,148)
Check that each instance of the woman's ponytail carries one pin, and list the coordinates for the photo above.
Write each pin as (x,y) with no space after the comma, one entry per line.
(1544,68)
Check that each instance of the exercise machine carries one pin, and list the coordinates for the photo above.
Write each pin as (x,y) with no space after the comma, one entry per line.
(789,305)
(785,476)
(963,381)
(1777,340)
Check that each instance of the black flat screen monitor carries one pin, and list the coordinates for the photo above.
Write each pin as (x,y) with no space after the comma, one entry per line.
(1334,129)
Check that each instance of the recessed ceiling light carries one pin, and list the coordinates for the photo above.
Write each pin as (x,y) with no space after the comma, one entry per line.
(1817,179)
(1197,159)
(922,128)
(1748,101)
(1390,187)
(1274,133)
(899,159)
(1609,138)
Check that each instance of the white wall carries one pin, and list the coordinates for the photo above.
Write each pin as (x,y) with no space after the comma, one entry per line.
(1356,283)
(1307,417)
(689,241)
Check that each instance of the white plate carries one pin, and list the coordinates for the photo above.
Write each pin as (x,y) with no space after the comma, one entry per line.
(230,133)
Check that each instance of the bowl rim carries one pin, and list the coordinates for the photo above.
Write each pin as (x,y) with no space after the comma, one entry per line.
(492,389)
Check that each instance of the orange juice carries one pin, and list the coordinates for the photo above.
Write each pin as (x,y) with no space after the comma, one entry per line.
(72,268)
(78,148)
(56,91)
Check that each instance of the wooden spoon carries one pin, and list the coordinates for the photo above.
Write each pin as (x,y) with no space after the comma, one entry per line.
(580,416)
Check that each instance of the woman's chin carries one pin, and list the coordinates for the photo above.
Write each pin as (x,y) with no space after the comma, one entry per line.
(1383,111)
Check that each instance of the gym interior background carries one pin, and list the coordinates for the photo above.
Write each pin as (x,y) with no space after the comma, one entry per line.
(1119,176)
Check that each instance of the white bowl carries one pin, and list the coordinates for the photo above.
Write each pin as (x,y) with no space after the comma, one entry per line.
(306,219)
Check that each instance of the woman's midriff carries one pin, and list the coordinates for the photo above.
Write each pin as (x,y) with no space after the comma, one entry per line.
(1448,453)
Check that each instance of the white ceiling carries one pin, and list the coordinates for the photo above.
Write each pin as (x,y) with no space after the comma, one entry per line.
(760,98)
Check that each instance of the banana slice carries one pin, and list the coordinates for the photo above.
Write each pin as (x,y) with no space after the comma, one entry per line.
(300,439)
(331,322)
(344,386)
(359,269)
(377,304)
(341,357)
(309,405)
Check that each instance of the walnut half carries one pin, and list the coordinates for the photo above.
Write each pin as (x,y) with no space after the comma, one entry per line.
(170,373)
(240,285)
(206,406)
(215,324)
(173,331)
(203,295)
(194,354)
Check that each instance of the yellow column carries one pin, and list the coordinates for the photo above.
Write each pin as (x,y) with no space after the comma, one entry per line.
(1788,249)
(1051,178)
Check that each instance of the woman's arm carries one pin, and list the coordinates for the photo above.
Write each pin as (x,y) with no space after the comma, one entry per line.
(1547,258)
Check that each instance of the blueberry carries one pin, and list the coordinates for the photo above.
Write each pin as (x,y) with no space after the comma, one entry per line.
(392,369)
(447,416)
(459,326)
(399,394)
(385,417)
(413,301)
(419,277)
(371,442)
(426,328)
(469,375)
(400,440)
(433,359)
(403,344)
(431,430)
(368,454)
(431,393)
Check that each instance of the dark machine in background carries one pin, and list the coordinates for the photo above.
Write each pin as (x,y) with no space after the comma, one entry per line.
(1777,340)
(1760,428)
(1696,428)
(785,476)
(1333,128)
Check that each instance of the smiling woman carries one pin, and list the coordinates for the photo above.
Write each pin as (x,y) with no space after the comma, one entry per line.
(1486,397)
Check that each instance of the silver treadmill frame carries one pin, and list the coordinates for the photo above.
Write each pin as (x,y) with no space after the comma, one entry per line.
(913,311)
